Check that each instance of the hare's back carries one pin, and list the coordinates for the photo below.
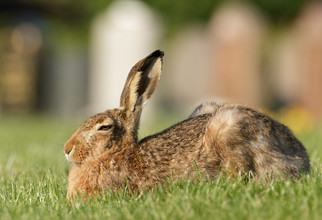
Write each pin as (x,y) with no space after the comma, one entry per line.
(179,150)
(230,137)
(183,135)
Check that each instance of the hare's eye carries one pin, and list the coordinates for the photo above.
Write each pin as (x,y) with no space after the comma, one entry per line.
(105,127)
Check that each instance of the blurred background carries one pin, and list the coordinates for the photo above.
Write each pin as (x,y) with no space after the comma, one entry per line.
(71,58)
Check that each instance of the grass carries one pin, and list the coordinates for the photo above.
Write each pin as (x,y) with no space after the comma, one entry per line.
(33,181)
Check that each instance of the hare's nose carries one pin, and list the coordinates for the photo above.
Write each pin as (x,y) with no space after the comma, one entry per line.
(68,147)
(68,151)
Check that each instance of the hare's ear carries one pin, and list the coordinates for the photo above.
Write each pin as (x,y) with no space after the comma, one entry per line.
(141,82)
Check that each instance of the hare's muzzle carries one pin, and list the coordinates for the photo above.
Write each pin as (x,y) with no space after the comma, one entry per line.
(69,149)
(74,151)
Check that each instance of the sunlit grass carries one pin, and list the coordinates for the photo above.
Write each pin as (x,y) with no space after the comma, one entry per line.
(33,181)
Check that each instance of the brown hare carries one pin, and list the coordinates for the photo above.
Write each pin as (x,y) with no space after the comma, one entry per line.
(225,138)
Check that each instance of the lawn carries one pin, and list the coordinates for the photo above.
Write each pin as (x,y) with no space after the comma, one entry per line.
(33,180)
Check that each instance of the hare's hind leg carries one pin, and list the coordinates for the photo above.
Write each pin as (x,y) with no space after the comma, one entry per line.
(225,137)
(277,152)
(246,140)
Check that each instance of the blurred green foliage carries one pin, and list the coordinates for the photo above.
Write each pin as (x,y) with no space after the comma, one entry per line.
(68,22)
(175,13)
(182,12)
(279,11)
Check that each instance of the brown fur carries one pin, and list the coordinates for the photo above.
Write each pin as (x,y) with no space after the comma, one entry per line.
(229,138)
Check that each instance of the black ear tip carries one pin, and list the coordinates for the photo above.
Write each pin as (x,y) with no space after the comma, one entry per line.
(157,53)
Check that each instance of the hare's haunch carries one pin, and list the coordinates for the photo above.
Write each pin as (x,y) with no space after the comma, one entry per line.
(230,138)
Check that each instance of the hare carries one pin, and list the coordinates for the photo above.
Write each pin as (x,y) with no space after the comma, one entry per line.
(228,138)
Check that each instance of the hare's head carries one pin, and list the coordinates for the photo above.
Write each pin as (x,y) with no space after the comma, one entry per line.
(117,128)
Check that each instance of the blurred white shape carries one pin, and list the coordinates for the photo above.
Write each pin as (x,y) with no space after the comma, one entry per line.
(187,72)
(122,35)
